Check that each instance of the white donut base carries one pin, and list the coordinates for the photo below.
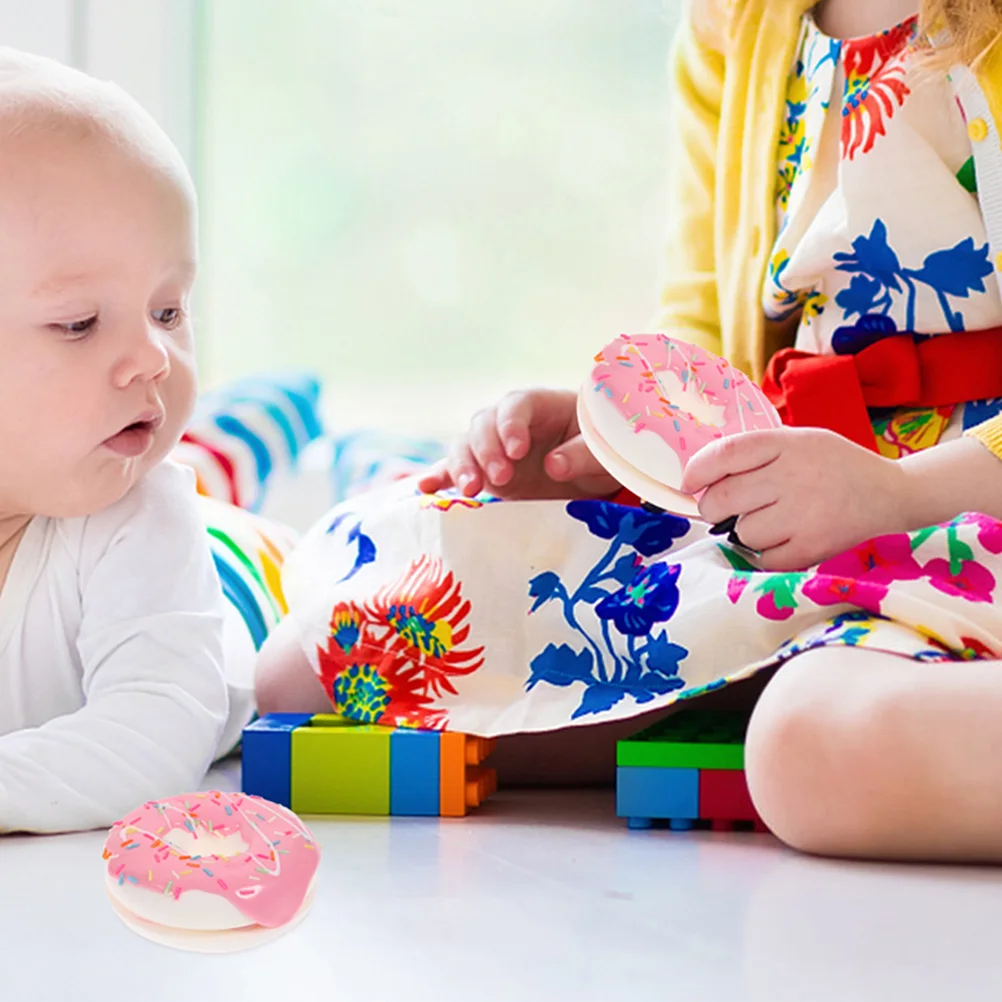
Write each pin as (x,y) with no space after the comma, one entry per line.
(645,487)
(209,941)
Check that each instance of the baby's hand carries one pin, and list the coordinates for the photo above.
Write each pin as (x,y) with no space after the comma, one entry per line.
(801,494)
(526,446)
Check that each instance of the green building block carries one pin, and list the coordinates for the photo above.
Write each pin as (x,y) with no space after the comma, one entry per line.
(339,767)
(689,739)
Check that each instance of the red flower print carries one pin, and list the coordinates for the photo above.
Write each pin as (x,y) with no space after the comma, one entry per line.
(975,650)
(874,86)
(389,659)
(880,560)
(829,589)
(972,649)
(974,582)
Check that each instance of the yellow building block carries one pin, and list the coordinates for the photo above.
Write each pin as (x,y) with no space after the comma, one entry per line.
(340,767)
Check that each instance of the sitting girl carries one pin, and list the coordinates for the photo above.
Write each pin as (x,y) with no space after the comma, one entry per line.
(837,233)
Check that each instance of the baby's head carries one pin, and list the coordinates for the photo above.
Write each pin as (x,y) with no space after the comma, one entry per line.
(97,259)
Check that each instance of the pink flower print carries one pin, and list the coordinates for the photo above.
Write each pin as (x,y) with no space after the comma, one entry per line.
(736,585)
(767,608)
(974,582)
(989,530)
(831,589)
(880,560)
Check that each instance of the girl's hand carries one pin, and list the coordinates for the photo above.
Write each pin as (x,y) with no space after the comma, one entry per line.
(526,446)
(801,494)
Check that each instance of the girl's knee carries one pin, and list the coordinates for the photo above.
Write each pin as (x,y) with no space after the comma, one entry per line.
(815,755)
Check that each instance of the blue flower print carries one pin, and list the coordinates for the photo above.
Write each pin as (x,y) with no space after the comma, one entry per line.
(646,531)
(366,548)
(622,593)
(981,410)
(651,597)
(878,276)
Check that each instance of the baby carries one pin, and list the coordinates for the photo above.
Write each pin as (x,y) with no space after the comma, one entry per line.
(112,620)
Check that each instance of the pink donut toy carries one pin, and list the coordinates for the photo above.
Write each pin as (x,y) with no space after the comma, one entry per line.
(653,402)
(210,871)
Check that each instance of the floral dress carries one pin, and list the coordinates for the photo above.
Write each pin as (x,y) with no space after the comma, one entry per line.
(859,254)
(494,617)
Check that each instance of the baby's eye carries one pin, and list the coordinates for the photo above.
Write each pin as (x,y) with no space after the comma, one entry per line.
(78,327)
(170,317)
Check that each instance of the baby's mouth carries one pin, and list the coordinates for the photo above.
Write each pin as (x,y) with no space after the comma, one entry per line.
(135,438)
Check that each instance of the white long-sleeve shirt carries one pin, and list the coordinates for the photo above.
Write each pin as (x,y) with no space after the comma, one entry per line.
(112,689)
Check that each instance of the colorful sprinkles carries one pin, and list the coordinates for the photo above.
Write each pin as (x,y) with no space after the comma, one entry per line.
(273,843)
(639,394)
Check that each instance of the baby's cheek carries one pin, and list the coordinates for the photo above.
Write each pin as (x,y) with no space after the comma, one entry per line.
(179,393)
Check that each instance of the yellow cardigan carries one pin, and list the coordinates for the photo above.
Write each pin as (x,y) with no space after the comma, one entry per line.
(729,78)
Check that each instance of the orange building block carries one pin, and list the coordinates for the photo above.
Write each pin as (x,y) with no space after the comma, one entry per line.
(464,782)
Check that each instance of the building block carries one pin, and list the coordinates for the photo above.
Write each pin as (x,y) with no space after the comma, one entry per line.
(691,739)
(724,796)
(700,751)
(266,755)
(327,764)
(644,793)
(464,782)
(415,772)
(340,769)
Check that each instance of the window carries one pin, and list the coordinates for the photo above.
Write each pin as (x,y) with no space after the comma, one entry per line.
(428,203)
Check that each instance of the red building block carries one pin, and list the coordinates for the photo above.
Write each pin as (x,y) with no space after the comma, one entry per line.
(724,797)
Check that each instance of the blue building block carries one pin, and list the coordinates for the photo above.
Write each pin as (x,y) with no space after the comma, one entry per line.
(415,757)
(266,756)
(644,793)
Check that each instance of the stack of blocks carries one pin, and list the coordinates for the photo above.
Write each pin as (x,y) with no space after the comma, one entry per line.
(325,764)
(688,770)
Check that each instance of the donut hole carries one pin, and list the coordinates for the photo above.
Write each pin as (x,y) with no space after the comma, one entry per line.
(203,842)
(687,397)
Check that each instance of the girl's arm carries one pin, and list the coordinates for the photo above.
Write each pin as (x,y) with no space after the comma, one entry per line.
(689,296)
(964,475)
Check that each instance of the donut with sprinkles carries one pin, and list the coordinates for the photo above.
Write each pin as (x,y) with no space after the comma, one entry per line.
(652,402)
(210,861)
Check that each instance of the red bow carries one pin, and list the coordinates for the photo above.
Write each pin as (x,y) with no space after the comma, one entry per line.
(834,391)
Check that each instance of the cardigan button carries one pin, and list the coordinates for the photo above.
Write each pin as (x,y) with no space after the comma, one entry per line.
(977,129)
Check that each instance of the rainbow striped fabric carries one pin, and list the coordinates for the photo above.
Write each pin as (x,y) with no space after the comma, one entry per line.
(248,552)
(240,437)
(247,431)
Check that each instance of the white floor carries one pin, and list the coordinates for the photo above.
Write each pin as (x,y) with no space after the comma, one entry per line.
(537,896)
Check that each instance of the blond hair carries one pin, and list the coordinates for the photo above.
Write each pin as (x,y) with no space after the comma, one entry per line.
(970,26)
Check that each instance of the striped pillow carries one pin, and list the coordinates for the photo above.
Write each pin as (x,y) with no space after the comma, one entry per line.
(246,432)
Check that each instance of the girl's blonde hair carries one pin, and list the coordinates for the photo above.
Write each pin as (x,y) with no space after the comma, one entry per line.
(971,26)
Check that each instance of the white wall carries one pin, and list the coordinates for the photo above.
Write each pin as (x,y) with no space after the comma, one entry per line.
(145,46)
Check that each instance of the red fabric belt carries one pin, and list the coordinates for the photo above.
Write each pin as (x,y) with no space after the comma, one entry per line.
(834,391)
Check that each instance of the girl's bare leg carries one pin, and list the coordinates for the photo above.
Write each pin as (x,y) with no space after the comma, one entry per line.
(284,682)
(859,753)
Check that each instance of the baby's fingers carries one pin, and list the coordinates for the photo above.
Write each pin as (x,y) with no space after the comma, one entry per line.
(435,479)
(573,461)
(487,450)
(464,471)
(513,421)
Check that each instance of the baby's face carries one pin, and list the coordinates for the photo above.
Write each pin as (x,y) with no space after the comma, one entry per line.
(97,376)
